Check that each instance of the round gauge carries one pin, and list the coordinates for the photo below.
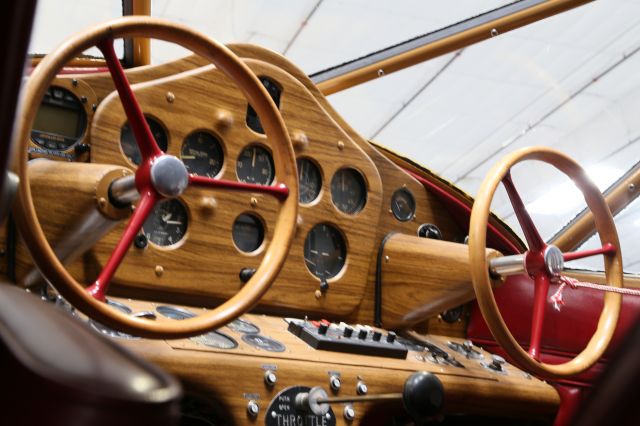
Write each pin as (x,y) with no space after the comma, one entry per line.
(310,180)
(348,191)
(110,331)
(60,121)
(243,326)
(215,339)
(265,343)
(324,251)
(255,165)
(248,232)
(167,223)
(128,140)
(403,205)
(175,313)
(201,154)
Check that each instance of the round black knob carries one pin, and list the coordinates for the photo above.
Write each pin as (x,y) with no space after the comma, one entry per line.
(429,230)
(140,241)
(422,396)
(246,274)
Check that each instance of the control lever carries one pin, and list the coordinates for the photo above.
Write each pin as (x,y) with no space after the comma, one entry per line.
(422,396)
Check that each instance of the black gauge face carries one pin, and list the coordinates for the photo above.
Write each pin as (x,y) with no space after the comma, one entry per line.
(255,165)
(265,343)
(243,326)
(128,140)
(109,331)
(202,154)
(403,205)
(167,223)
(173,312)
(61,120)
(215,339)
(252,118)
(310,180)
(348,191)
(325,251)
(248,233)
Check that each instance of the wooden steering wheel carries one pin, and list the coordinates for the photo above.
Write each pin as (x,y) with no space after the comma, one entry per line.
(543,263)
(158,177)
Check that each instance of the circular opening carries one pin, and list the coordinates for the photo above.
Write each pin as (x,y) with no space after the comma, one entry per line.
(309,179)
(248,232)
(129,145)
(61,120)
(403,204)
(325,251)
(167,223)
(255,165)
(202,154)
(348,191)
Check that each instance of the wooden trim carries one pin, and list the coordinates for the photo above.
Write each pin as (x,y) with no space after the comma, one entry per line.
(448,44)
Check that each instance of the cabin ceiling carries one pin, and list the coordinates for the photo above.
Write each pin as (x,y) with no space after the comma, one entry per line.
(571,82)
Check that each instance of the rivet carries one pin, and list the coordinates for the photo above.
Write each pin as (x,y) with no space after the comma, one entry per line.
(94,107)
(170,97)
(386,259)
(340,145)
(224,119)
(380,72)
(159,270)
(208,203)
(494,32)
(102,201)
(299,221)
(631,187)
(83,99)
(300,140)
(254,202)
(318,294)
(74,82)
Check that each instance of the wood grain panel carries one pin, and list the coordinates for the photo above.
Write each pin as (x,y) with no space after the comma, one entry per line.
(232,377)
(199,98)
(422,277)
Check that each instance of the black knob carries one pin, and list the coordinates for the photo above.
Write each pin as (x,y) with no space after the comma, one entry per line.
(322,329)
(391,337)
(324,285)
(246,274)
(81,148)
(347,332)
(362,334)
(422,396)
(429,230)
(376,336)
(140,241)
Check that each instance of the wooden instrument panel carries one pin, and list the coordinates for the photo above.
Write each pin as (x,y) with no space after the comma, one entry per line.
(206,262)
(233,377)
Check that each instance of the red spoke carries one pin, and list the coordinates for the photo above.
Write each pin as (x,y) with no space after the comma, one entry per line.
(539,304)
(99,288)
(531,234)
(280,191)
(144,138)
(608,249)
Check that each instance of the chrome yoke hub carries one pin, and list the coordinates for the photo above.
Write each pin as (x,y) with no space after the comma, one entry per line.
(553,260)
(169,176)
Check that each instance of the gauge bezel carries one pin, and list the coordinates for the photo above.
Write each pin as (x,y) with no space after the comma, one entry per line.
(321,191)
(274,177)
(265,239)
(184,238)
(365,185)
(345,241)
(80,90)
(146,116)
(220,142)
(414,207)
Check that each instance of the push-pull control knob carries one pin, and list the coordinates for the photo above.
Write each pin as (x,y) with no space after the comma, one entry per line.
(497,363)
(422,396)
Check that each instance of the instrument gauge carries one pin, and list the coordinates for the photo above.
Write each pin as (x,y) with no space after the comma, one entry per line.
(248,233)
(265,343)
(243,326)
(201,154)
(167,223)
(325,251)
(403,205)
(348,191)
(255,165)
(60,121)
(110,331)
(213,339)
(128,140)
(310,180)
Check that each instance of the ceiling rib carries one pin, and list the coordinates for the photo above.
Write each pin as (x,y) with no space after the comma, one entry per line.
(303,24)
